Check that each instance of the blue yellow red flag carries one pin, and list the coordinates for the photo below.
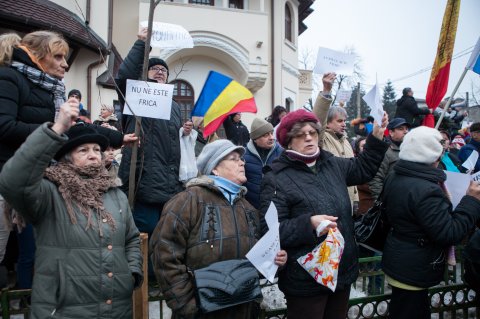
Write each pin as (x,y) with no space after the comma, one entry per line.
(220,97)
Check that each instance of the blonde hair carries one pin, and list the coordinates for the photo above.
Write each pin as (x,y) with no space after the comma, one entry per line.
(7,42)
(109,108)
(39,43)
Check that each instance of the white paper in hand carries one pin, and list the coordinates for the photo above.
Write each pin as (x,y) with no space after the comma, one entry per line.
(374,100)
(456,184)
(471,161)
(321,227)
(334,61)
(169,36)
(263,254)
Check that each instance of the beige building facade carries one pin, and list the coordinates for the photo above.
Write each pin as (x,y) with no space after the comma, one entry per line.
(254,42)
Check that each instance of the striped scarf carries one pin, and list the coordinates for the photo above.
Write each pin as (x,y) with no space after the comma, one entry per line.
(45,81)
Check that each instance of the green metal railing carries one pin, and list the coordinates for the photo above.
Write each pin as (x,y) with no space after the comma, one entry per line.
(451,299)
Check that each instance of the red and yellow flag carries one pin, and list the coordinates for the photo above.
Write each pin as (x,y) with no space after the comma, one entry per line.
(437,87)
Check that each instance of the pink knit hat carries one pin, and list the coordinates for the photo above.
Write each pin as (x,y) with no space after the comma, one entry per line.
(289,121)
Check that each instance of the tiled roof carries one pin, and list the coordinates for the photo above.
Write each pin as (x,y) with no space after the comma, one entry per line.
(304,11)
(30,15)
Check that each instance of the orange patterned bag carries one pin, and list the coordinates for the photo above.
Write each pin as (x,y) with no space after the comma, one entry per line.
(322,263)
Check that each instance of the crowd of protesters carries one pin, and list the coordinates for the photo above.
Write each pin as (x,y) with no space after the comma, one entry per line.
(203,200)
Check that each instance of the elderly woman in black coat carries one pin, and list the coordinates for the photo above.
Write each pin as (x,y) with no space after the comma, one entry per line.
(423,221)
(309,185)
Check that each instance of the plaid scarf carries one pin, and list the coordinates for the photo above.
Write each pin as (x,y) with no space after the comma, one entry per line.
(45,81)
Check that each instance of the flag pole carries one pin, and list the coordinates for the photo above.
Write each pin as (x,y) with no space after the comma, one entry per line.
(138,119)
(450,98)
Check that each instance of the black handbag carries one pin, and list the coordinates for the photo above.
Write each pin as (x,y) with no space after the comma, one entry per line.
(372,228)
(225,284)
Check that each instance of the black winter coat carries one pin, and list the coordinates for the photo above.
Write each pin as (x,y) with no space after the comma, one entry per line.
(237,132)
(24,106)
(159,153)
(408,109)
(423,223)
(298,193)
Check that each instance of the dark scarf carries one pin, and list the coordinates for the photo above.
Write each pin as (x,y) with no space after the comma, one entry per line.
(307,159)
(43,80)
(85,187)
(263,152)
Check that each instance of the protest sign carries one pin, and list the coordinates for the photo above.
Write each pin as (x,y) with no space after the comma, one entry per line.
(262,255)
(148,99)
(334,61)
(374,100)
(169,36)
(457,184)
(344,95)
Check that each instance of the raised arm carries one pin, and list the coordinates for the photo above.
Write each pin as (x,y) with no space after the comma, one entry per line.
(21,179)
(323,101)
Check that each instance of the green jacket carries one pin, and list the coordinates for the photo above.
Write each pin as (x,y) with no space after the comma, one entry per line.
(78,274)
(389,161)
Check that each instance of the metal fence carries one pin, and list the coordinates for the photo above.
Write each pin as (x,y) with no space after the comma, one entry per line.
(450,299)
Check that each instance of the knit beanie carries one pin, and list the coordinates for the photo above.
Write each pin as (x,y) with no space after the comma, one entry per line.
(158,61)
(458,139)
(213,153)
(259,128)
(289,121)
(421,145)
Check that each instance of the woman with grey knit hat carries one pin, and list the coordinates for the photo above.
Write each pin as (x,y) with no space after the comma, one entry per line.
(424,222)
(208,222)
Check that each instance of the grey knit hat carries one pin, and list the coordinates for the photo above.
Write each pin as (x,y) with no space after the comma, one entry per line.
(213,153)
(259,127)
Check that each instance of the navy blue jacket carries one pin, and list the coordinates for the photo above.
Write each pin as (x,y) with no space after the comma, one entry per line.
(467,149)
(253,170)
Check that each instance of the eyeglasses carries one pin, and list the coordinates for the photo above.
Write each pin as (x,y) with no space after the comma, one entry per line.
(158,70)
(312,133)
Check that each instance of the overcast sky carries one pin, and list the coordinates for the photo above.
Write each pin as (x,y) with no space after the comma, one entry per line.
(395,38)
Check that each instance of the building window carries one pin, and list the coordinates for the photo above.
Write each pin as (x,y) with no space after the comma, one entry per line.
(288,23)
(205,2)
(184,96)
(238,4)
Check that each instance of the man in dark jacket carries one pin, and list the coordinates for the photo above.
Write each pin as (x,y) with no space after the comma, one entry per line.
(235,130)
(408,109)
(473,145)
(159,155)
(397,129)
(262,149)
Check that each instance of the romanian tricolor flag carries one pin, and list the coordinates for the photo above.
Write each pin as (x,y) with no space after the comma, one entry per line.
(220,97)
(437,87)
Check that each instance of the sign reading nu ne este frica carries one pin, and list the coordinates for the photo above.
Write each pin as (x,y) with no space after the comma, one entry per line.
(148,99)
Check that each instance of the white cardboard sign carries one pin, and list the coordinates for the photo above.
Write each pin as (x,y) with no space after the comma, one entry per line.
(169,36)
(334,61)
(148,99)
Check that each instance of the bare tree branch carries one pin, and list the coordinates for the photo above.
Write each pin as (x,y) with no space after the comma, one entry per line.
(183,62)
